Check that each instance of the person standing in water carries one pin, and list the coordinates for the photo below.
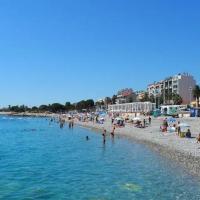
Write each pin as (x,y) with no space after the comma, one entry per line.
(87,138)
(113,132)
(61,125)
(104,136)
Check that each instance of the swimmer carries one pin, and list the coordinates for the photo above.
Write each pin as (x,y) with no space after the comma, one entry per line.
(87,138)
(112,134)
(104,136)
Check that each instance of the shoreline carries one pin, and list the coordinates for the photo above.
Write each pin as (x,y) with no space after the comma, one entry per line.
(27,114)
(185,152)
(188,160)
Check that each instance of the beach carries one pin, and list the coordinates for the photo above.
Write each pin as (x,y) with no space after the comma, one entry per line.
(40,160)
(183,150)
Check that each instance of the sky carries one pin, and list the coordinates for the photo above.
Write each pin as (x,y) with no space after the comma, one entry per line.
(69,50)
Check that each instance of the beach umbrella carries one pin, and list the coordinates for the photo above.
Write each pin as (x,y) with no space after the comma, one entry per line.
(119,119)
(171,120)
(184,125)
(137,119)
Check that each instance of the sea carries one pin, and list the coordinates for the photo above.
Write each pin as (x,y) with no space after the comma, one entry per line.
(39,160)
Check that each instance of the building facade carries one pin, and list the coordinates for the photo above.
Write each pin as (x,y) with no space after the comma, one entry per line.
(140,95)
(125,96)
(181,84)
(155,89)
(136,107)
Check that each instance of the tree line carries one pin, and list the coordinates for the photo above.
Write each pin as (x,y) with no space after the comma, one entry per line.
(90,104)
(53,108)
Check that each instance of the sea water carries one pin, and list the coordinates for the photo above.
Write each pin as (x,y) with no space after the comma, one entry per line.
(38,160)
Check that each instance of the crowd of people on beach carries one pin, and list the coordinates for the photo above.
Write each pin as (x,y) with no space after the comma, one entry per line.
(176,127)
(168,124)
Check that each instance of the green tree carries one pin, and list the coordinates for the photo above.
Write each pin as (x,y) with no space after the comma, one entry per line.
(108,101)
(99,103)
(68,106)
(34,109)
(196,94)
(89,104)
(177,99)
(85,104)
(152,99)
(114,98)
(146,97)
(44,108)
(57,107)
(161,98)
(18,109)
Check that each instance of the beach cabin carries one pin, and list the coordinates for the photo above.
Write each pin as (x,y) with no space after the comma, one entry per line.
(172,109)
(135,107)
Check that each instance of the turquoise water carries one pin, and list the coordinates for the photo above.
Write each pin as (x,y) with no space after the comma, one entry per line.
(41,161)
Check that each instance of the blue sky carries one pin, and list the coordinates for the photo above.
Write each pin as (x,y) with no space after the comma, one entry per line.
(68,50)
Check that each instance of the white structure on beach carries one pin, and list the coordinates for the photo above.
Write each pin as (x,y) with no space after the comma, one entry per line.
(136,107)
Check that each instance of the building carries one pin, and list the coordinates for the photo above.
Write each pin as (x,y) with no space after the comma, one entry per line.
(181,84)
(140,95)
(172,109)
(194,103)
(155,89)
(136,107)
(125,96)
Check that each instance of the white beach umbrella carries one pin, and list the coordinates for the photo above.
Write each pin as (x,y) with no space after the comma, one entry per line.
(137,119)
(119,119)
(184,125)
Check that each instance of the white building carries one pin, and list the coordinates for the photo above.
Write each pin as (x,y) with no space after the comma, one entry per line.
(136,107)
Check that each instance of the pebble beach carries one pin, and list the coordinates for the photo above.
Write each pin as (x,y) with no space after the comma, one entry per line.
(183,150)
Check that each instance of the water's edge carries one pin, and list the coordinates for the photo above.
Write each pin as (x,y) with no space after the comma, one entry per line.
(187,161)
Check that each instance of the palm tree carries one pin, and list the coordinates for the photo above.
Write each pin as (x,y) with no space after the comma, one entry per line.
(196,94)
(177,99)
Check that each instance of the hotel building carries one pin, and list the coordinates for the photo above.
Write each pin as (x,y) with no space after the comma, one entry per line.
(181,84)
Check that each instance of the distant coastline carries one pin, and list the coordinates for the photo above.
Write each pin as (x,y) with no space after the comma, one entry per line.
(29,114)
